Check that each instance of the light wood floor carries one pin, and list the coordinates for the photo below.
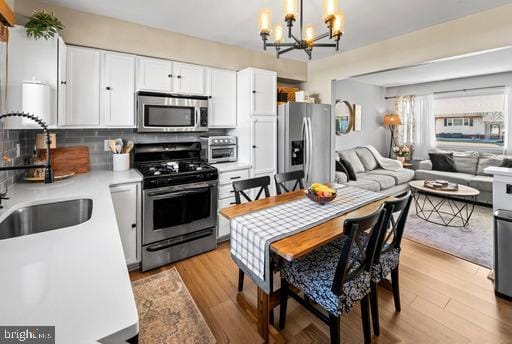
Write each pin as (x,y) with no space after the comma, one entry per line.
(444,300)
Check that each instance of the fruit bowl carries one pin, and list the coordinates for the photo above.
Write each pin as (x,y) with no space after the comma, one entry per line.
(322,200)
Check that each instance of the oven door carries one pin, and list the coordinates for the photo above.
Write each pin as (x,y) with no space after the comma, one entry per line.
(178,210)
(171,114)
(222,153)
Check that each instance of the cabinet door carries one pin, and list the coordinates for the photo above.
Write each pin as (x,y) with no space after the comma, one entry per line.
(118,90)
(264,145)
(264,88)
(154,75)
(124,198)
(83,87)
(188,79)
(61,84)
(222,103)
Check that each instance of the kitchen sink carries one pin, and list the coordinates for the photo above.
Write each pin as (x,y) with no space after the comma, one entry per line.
(45,217)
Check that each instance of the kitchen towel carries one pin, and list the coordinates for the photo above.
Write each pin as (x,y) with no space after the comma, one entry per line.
(252,234)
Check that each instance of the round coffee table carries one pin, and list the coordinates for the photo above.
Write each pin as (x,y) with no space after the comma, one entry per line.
(442,207)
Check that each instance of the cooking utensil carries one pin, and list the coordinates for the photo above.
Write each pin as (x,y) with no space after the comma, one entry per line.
(112,146)
(128,148)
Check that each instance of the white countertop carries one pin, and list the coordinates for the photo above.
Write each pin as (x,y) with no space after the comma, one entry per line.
(502,171)
(232,166)
(73,278)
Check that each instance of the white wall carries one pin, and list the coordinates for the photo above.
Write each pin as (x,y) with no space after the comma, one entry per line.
(371,99)
(478,32)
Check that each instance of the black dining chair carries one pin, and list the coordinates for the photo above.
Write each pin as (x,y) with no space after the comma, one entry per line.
(240,187)
(387,257)
(332,277)
(282,178)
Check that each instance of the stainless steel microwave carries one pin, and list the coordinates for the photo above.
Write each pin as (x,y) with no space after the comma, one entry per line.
(158,112)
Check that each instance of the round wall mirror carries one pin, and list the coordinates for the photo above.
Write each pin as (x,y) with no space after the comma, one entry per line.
(344,112)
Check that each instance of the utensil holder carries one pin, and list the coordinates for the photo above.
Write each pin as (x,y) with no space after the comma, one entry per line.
(121,162)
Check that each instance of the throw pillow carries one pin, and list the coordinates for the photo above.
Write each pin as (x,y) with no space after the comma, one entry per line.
(442,162)
(351,174)
(340,167)
(506,163)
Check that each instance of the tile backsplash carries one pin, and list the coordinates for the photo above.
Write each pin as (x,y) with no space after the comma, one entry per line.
(94,139)
(8,141)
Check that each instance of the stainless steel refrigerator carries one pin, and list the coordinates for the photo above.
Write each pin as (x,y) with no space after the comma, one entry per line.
(306,141)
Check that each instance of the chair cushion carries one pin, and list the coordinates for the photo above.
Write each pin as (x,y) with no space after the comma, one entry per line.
(314,275)
(367,159)
(402,176)
(453,177)
(351,156)
(388,261)
(385,182)
(481,183)
(366,184)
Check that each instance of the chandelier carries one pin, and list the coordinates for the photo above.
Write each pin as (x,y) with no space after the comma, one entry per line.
(333,18)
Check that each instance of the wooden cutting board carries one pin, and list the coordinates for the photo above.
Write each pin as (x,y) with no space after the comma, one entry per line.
(69,159)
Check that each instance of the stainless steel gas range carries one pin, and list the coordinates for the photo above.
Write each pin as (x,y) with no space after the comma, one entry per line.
(179,202)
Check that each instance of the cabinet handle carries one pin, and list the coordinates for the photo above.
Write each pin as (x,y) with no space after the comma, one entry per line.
(232,191)
(233,178)
(253,146)
(134,225)
(179,76)
(232,203)
(209,97)
(170,75)
(63,83)
(108,88)
(253,91)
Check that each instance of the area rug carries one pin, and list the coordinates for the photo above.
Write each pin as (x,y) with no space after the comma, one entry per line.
(473,243)
(167,312)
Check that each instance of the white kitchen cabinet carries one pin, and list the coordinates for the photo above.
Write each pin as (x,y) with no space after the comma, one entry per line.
(263,145)
(82,88)
(29,59)
(61,79)
(117,90)
(126,202)
(188,79)
(221,88)
(154,74)
(264,92)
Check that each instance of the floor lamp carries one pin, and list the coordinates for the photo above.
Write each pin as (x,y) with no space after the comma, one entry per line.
(391,120)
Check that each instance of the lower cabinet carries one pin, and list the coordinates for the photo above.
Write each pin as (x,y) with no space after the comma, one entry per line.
(126,200)
(227,198)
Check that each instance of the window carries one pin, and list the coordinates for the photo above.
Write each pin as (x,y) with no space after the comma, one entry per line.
(473,119)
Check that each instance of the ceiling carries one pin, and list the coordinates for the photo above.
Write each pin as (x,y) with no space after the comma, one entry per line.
(487,62)
(235,21)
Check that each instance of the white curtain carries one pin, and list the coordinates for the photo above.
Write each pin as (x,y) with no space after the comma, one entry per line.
(404,107)
(425,126)
(507,113)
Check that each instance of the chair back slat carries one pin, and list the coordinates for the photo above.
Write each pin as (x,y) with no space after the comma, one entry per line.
(241,186)
(282,178)
(394,229)
(365,232)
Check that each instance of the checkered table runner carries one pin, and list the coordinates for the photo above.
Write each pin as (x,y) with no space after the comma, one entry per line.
(252,234)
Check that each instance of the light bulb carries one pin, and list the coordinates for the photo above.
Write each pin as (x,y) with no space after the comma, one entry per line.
(338,26)
(310,34)
(278,33)
(290,9)
(264,21)
(330,9)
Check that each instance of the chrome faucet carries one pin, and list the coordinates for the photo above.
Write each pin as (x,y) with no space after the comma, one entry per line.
(48,172)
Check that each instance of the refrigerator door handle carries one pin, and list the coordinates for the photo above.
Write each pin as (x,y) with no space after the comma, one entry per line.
(305,147)
(310,146)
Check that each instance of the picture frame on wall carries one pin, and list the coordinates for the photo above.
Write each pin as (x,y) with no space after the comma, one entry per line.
(357,117)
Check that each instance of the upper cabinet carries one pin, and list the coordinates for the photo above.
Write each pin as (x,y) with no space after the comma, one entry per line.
(154,74)
(166,76)
(82,87)
(221,89)
(117,90)
(32,62)
(264,88)
(188,79)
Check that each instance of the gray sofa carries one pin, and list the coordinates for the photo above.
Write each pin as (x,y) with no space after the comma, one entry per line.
(369,174)
(470,171)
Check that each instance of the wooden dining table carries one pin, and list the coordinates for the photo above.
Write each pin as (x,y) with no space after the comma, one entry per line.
(290,248)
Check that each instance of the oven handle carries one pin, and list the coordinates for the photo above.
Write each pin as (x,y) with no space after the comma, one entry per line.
(197,125)
(180,240)
(174,194)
